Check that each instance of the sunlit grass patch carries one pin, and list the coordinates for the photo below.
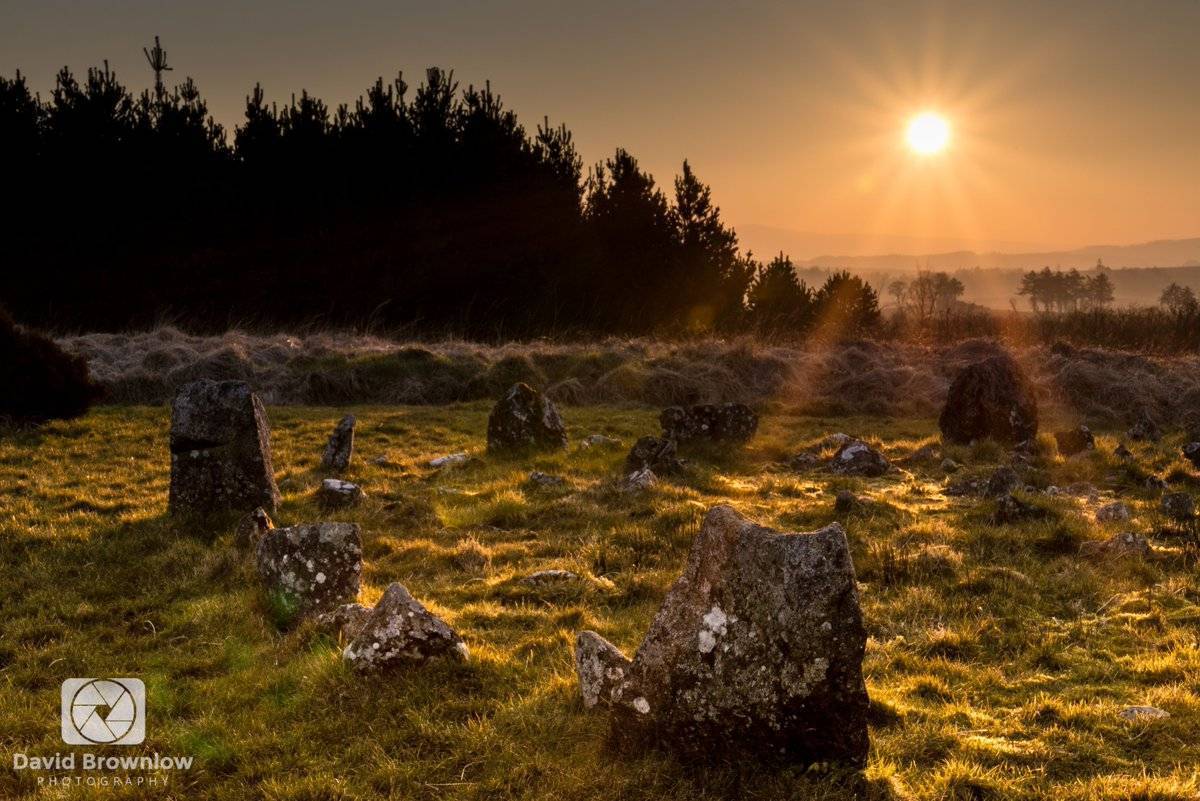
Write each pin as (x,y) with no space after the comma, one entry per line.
(998,658)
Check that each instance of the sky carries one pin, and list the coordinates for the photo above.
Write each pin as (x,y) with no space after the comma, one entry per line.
(1073,122)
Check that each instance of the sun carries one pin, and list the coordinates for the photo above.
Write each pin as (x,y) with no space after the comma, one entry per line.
(928,133)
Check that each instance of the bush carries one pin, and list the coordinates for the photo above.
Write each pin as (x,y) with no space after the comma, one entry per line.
(38,380)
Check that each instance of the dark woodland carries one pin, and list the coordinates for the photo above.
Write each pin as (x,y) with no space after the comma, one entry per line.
(432,211)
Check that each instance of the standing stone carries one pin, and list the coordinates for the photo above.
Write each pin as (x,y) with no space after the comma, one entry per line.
(601,668)
(1011,509)
(1002,481)
(525,420)
(220,450)
(728,422)
(336,494)
(653,453)
(1115,512)
(857,458)
(401,631)
(1075,440)
(638,481)
(991,398)
(756,649)
(340,447)
(313,567)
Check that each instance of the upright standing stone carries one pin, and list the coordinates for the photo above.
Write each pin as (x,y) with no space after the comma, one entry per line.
(991,398)
(340,447)
(525,420)
(757,648)
(220,450)
(400,631)
(314,567)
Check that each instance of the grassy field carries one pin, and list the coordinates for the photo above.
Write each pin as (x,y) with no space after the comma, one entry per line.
(997,661)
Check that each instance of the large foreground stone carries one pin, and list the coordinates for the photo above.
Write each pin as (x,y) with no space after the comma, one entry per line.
(991,398)
(727,422)
(525,420)
(340,448)
(756,649)
(313,567)
(401,631)
(220,450)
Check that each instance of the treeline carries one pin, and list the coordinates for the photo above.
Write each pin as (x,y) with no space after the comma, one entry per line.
(431,210)
(1056,290)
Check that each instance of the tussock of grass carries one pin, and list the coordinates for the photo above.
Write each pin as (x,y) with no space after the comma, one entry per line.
(859,378)
(997,659)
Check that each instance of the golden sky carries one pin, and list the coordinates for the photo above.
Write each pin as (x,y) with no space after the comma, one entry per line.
(1072,121)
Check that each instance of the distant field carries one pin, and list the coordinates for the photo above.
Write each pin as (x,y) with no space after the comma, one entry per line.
(997,661)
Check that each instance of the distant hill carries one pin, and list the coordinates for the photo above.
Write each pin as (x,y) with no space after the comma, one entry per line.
(1163,253)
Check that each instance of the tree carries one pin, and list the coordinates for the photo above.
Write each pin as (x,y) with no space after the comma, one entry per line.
(846,306)
(1179,300)
(715,276)
(777,300)
(1099,291)
(637,241)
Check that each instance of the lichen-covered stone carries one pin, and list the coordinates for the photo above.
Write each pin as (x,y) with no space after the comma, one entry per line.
(340,448)
(990,398)
(312,567)
(857,458)
(220,450)
(638,481)
(525,420)
(546,481)
(654,453)
(1142,713)
(599,441)
(726,422)
(1114,512)
(757,648)
(450,460)
(1075,440)
(401,631)
(1002,481)
(601,668)
(550,576)
(1011,509)
(335,493)
(345,621)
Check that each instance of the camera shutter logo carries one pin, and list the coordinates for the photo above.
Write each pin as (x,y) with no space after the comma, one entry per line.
(103,711)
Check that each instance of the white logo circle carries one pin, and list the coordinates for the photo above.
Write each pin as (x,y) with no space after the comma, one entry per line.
(103,711)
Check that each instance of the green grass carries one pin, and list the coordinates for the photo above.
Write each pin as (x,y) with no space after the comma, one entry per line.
(996,664)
